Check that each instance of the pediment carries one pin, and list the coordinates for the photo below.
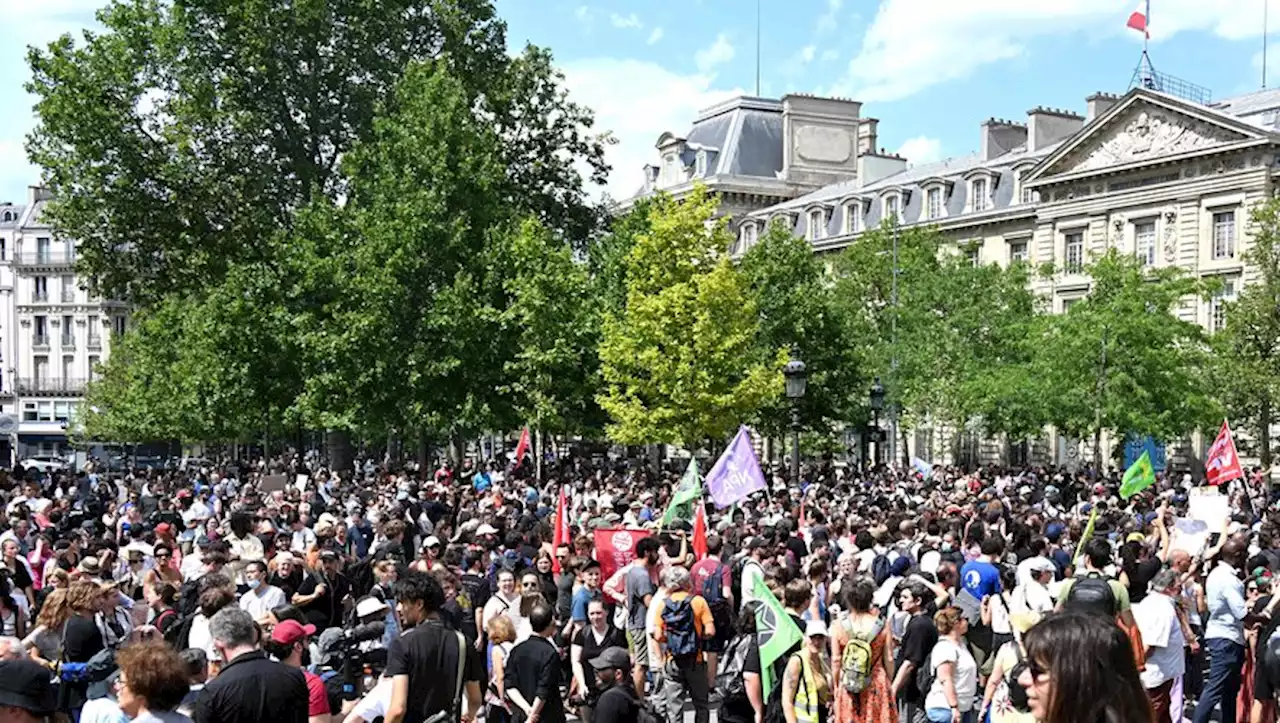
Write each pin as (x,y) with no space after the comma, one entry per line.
(1142,128)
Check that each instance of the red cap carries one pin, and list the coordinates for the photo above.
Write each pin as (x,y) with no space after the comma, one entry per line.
(164,528)
(288,632)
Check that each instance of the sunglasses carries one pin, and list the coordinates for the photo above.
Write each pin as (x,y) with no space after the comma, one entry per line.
(1037,672)
(528,584)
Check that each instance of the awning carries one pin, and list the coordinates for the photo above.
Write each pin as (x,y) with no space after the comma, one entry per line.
(38,438)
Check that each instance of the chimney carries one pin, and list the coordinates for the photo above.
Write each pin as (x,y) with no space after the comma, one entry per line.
(38,193)
(1099,103)
(867,136)
(1000,136)
(874,166)
(1046,126)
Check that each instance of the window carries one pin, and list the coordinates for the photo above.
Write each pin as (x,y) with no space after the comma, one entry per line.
(749,232)
(61,411)
(1018,252)
(68,331)
(853,217)
(1028,195)
(94,361)
(29,411)
(119,324)
(1218,305)
(2,247)
(68,289)
(701,161)
(40,288)
(1224,235)
(68,367)
(45,411)
(817,226)
(891,207)
(670,170)
(934,202)
(973,252)
(41,330)
(981,201)
(42,250)
(41,364)
(1067,304)
(1144,242)
(1073,252)
(94,336)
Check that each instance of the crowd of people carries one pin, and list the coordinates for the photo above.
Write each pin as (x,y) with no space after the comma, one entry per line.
(280,591)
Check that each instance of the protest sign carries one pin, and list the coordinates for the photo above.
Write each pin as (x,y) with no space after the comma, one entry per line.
(1209,506)
(273,483)
(1190,536)
(615,548)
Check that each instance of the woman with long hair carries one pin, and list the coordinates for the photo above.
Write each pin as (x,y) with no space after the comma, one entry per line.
(502,636)
(163,570)
(868,697)
(543,565)
(43,642)
(13,619)
(16,570)
(1080,669)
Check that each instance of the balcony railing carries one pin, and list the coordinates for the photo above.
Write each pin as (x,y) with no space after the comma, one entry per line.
(95,341)
(39,297)
(45,258)
(68,297)
(40,341)
(38,385)
(68,342)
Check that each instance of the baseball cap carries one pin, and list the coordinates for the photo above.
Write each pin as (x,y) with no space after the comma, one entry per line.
(164,528)
(609,658)
(25,684)
(486,529)
(756,542)
(288,632)
(815,628)
(431,541)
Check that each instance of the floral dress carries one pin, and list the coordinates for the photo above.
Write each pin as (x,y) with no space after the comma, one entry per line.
(1002,711)
(875,703)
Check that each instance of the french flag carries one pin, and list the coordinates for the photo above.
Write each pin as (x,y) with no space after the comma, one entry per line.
(1138,20)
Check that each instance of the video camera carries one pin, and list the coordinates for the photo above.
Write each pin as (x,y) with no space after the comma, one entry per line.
(340,652)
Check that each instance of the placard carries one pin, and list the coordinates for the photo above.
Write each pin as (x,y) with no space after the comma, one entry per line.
(273,483)
(615,547)
(1190,536)
(1209,506)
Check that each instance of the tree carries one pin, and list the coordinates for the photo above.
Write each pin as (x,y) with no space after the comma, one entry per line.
(681,363)
(798,315)
(1246,368)
(181,139)
(1121,360)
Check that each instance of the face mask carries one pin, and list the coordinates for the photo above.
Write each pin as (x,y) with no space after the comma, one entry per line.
(946,547)
(254,584)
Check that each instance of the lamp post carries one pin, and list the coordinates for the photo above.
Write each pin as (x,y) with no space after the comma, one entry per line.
(797,380)
(877,405)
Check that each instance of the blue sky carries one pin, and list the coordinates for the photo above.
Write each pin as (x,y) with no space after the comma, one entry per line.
(930,70)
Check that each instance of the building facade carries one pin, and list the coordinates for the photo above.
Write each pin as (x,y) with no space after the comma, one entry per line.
(1168,180)
(54,333)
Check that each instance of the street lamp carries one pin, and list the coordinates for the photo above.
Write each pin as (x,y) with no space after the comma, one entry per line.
(797,380)
(877,405)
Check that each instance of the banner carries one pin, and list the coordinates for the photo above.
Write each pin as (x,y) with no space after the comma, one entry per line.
(737,473)
(522,446)
(1221,463)
(686,492)
(563,535)
(615,548)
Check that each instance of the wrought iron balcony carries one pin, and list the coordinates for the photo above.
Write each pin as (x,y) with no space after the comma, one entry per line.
(53,387)
(40,341)
(45,258)
(95,341)
(68,341)
(39,297)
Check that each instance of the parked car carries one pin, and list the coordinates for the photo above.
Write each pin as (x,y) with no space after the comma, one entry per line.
(44,464)
(194,463)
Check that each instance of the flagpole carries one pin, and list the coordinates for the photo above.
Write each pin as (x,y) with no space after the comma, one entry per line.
(1146,34)
(758,47)
(1264,42)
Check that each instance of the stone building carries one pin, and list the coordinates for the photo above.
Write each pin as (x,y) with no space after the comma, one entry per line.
(1168,180)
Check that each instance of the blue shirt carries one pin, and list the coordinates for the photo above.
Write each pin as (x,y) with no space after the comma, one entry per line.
(980,578)
(1224,596)
(578,613)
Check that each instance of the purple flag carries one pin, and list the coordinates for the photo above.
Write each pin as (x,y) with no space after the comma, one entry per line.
(736,474)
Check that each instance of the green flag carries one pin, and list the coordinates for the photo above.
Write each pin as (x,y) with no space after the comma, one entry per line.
(687,491)
(776,633)
(1138,477)
(1088,532)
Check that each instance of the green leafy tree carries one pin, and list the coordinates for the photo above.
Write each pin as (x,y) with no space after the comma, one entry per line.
(1246,368)
(798,314)
(1121,360)
(681,363)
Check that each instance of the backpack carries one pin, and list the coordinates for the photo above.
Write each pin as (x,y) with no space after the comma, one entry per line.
(1092,593)
(924,676)
(713,593)
(880,569)
(729,681)
(1017,694)
(179,633)
(677,619)
(857,660)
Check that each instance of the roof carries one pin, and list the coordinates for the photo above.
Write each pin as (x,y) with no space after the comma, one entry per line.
(1249,104)
(10,215)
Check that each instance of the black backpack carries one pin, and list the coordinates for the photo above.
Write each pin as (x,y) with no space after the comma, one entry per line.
(713,593)
(880,568)
(729,681)
(1017,694)
(1093,594)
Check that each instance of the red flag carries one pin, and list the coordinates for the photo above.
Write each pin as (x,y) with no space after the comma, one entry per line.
(562,534)
(1138,19)
(1222,464)
(700,531)
(802,525)
(522,446)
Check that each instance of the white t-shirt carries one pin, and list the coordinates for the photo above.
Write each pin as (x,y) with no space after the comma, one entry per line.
(1161,633)
(965,677)
(259,604)
(751,571)
(374,704)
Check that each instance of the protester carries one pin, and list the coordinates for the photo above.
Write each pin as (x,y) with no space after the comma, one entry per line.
(249,687)
(153,683)
(533,671)
(423,663)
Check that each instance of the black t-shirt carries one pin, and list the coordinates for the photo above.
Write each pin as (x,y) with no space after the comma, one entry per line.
(586,638)
(738,709)
(325,610)
(797,548)
(564,595)
(917,644)
(288,585)
(453,616)
(618,704)
(475,589)
(20,578)
(81,639)
(1141,577)
(428,654)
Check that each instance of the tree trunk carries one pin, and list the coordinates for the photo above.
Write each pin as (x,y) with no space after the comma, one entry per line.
(1097,451)
(338,449)
(1264,450)
(423,461)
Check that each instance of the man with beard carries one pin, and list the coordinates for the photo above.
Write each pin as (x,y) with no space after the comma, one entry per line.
(423,663)
(618,702)
(289,644)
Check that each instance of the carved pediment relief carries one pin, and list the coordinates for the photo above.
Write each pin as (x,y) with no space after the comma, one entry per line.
(1144,134)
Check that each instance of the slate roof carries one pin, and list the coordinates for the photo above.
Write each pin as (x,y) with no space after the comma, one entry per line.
(10,215)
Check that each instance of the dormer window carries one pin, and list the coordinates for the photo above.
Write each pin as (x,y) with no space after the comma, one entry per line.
(893,207)
(933,202)
(817,224)
(853,217)
(747,236)
(670,170)
(1024,195)
(700,164)
(980,188)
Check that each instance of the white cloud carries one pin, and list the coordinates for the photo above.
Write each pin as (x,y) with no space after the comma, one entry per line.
(629,22)
(637,101)
(829,55)
(828,21)
(807,53)
(718,53)
(655,35)
(921,149)
(912,45)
